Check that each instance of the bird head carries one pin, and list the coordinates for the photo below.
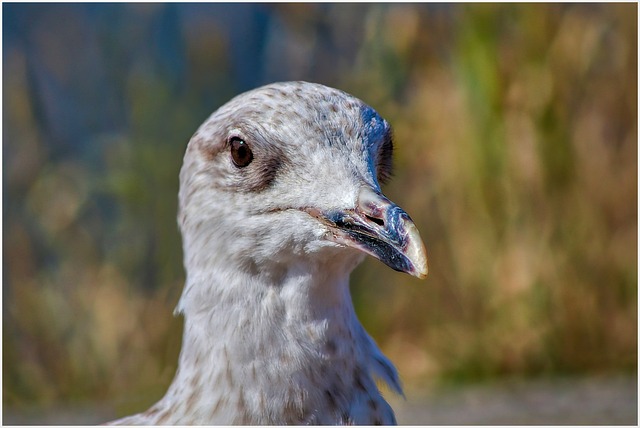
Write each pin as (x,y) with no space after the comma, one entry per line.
(290,172)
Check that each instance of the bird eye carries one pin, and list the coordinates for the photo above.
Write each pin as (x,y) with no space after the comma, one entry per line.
(240,152)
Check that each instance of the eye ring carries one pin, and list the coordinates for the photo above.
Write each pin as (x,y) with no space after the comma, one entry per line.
(241,153)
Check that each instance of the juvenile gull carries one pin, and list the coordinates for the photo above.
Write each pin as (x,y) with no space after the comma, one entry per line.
(279,201)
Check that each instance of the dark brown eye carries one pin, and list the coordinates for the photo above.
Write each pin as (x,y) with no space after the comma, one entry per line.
(240,152)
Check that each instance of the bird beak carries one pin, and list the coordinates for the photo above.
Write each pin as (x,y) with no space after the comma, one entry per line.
(382,229)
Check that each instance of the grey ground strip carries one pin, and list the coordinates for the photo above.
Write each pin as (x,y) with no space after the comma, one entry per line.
(576,401)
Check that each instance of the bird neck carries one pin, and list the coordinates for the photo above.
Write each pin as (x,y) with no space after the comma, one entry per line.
(252,309)
(268,341)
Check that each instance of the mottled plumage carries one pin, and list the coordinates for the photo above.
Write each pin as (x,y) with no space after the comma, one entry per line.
(279,201)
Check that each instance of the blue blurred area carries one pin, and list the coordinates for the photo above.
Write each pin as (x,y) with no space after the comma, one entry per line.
(79,57)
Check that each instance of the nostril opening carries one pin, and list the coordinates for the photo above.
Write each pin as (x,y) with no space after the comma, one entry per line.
(377,221)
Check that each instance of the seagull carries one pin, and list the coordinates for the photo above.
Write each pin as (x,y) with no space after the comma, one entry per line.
(279,201)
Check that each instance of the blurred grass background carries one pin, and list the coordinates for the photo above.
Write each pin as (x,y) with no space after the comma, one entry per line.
(516,154)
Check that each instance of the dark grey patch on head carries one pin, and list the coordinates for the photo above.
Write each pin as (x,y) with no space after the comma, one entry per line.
(266,172)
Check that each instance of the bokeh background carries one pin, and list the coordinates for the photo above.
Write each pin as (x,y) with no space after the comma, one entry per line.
(516,154)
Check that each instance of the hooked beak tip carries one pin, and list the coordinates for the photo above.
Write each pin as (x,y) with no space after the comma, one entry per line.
(416,252)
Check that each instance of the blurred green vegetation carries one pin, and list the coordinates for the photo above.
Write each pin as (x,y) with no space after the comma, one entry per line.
(516,155)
